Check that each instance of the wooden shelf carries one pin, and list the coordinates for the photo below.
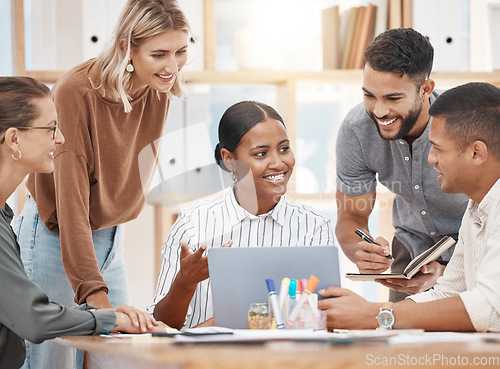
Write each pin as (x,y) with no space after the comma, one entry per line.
(280,77)
(464,77)
(271,77)
(237,77)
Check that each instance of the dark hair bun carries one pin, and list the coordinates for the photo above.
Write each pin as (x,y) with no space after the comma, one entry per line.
(218,158)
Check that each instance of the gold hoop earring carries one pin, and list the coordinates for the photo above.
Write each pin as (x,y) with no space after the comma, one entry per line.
(19,157)
(233,177)
(130,68)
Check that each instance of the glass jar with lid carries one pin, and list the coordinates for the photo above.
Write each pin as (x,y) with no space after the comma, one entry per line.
(258,316)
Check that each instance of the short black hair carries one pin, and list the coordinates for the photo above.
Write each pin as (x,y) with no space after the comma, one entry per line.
(237,120)
(471,112)
(403,51)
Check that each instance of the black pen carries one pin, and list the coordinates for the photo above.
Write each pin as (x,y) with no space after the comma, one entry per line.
(367,238)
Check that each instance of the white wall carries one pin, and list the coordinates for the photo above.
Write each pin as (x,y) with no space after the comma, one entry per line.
(6,57)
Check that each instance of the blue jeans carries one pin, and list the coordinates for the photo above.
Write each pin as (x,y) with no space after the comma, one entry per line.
(41,254)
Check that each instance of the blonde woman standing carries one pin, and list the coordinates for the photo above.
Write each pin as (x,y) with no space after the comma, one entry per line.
(110,109)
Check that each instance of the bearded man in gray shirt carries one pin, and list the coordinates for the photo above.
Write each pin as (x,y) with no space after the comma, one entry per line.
(387,137)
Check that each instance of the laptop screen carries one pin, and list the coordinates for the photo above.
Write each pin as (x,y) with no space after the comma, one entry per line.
(238,275)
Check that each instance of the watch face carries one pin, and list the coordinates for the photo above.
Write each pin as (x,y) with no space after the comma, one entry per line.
(385,318)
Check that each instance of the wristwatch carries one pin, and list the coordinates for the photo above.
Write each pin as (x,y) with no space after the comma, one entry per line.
(385,317)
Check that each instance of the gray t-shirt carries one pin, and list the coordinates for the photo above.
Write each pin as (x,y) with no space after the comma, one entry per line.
(25,310)
(422,213)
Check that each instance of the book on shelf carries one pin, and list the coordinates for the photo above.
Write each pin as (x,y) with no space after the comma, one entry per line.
(364,35)
(358,25)
(350,29)
(395,14)
(413,267)
(347,32)
(331,37)
(359,29)
(406,13)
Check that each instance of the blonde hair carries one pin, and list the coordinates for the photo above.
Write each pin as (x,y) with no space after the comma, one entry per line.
(139,21)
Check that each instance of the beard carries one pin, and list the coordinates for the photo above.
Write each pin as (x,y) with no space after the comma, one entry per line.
(407,123)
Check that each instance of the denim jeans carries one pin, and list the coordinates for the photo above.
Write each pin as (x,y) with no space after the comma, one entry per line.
(41,255)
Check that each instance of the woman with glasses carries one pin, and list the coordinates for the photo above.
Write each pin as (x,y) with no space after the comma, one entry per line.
(110,109)
(29,137)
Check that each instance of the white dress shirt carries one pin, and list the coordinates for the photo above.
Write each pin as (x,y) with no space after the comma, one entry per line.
(473,272)
(214,222)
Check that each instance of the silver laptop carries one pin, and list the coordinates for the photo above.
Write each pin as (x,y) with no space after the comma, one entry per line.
(238,275)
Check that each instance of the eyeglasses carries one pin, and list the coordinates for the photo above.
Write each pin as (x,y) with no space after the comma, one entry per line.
(53,129)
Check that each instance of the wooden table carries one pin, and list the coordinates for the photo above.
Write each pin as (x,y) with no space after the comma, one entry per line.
(153,353)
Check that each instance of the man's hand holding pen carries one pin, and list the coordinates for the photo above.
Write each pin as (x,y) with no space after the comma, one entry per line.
(372,256)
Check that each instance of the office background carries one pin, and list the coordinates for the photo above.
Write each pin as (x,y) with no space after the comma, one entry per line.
(267,50)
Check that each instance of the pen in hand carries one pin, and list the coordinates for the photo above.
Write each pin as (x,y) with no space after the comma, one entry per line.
(367,238)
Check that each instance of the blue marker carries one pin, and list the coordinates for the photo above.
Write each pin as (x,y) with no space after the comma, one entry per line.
(273,299)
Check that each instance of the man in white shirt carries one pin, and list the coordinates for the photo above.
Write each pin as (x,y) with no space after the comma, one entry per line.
(465,137)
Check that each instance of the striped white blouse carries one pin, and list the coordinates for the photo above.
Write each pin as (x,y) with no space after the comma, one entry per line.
(473,272)
(214,222)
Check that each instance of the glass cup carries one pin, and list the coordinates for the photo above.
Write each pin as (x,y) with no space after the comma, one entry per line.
(308,318)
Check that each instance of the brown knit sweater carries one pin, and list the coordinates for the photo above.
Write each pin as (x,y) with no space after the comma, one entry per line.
(97,182)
